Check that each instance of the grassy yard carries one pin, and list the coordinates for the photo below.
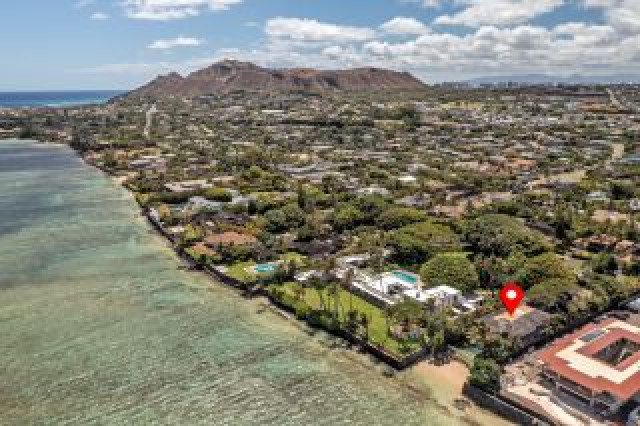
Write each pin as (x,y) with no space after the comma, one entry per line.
(241,270)
(346,300)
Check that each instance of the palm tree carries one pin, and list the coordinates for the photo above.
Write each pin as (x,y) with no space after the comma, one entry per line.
(320,285)
(334,290)
(187,214)
(437,342)
(364,320)
(347,282)
(328,265)
(387,318)
(299,291)
(292,269)
(377,256)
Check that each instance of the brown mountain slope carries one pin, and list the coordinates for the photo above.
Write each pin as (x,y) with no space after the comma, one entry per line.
(230,75)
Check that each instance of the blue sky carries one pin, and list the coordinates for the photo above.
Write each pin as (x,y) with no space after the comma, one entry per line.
(88,44)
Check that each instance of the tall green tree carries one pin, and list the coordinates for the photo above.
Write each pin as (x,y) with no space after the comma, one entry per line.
(450,269)
(485,374)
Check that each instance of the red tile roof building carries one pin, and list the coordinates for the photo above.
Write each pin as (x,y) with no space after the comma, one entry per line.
(599,364)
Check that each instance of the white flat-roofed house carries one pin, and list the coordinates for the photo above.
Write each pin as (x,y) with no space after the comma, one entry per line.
(446,295)
(188,185)
(149,162)
(201,203)
(441,296)
(373,190)
(407,179)
(391,287)
(354,260)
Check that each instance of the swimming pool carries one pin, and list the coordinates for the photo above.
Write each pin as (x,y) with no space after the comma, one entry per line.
(406,277)
(265,268)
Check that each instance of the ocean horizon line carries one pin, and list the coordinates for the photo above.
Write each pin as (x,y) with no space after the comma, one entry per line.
(62,90)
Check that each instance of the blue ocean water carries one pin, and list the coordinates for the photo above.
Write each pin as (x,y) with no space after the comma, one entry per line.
(55,98)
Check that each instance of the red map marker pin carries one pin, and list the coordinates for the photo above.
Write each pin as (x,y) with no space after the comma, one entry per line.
(511,296)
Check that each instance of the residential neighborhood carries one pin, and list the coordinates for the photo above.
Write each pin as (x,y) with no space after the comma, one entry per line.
(394,218)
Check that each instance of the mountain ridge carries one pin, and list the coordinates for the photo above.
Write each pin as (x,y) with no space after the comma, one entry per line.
(230,75)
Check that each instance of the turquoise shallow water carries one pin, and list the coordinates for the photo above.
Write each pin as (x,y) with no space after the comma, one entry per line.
(98,325)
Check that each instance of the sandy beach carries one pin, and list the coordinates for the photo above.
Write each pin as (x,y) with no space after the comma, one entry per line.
(446,382)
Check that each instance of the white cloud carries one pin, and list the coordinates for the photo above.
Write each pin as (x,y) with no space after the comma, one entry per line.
(601,3)
(314,31)
(333,52)
(175,42)
(624,15)
(429,4)
(587,35)
(223,4)
(99,16)
(567,48)
(83,3)
(166,10)
(498,12)
(572,47)
(339,54)
(405,26)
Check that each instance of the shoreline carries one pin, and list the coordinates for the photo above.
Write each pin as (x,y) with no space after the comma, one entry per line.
(438,389)
(443,392)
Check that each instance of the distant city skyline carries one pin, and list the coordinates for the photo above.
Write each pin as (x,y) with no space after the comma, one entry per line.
(120,44)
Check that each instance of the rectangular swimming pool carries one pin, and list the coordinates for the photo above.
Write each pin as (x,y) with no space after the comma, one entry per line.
(406,277)
(265,268)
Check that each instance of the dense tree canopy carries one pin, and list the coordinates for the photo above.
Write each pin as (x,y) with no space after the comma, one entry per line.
(544,267)
(347,216)
(549,280)
(288,217)
(218,194)
(604,263)
(371,206)
(397,217)
(551,294)
(450,269)
(500,235)
(416,243)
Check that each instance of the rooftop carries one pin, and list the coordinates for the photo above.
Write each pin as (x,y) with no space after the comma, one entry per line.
(524,321)
(603,357)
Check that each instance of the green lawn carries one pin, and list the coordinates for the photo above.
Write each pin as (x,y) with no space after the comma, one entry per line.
(377,324)
(240,271)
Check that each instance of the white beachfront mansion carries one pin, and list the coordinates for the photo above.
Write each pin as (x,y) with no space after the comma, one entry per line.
(389,288)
